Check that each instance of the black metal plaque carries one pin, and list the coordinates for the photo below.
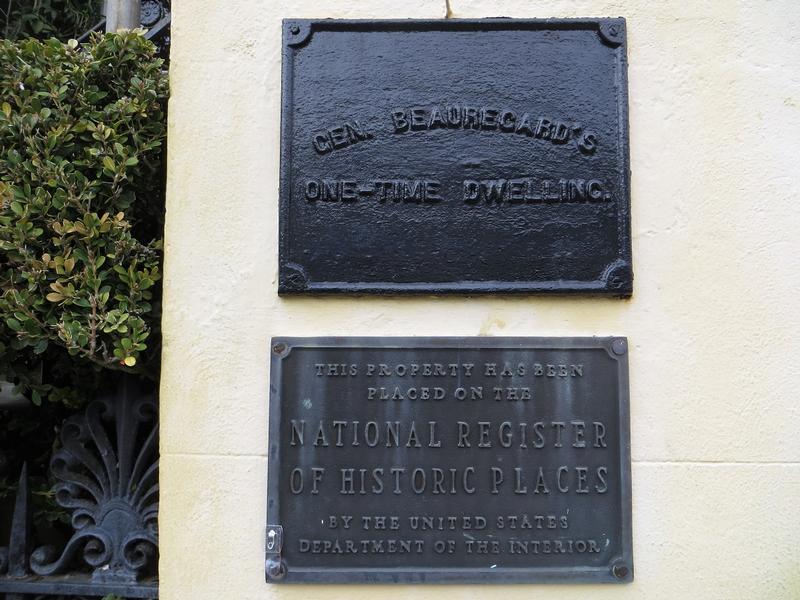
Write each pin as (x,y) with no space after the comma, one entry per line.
(455,156)
(449,460)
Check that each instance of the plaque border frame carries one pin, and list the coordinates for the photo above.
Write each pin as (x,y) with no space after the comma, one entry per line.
(615,281)
(617,349)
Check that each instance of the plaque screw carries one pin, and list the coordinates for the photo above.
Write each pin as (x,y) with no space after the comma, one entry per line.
(619,346)
(294,29)
(279,348)
(613,30)
(620,571)
(276,568)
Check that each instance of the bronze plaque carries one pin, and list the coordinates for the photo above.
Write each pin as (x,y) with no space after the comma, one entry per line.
(449,460)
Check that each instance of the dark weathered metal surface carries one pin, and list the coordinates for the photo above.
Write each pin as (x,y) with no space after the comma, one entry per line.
(449,460)
(455,156)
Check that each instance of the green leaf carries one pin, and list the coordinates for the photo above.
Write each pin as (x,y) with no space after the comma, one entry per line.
(81,145)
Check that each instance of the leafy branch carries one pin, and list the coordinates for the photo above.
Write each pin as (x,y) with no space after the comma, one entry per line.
(81,199)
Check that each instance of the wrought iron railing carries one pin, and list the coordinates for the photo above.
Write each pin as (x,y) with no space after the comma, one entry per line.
(107,474)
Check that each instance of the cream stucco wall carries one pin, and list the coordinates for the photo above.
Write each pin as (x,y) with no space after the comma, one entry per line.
(713,323)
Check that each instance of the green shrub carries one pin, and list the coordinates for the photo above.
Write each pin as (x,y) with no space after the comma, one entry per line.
(81,206)
(64,19)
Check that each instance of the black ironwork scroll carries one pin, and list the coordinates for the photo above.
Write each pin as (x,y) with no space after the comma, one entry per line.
(107,473)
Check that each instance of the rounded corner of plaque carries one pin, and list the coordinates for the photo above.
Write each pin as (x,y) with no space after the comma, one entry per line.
(296,32)
(622,572)
(617,347)
(612,31)
(293,279)
(280,348)
(275,570)
(618,278)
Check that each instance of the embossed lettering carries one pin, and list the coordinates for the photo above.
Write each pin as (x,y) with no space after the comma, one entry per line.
(342,136)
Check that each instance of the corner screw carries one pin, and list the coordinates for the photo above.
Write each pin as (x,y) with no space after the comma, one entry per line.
(276,569)
(613,30)
(620,571)
(294,29)
(619,346)
(279,348)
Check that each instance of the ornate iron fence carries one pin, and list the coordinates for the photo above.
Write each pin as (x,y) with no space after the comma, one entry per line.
(107,473)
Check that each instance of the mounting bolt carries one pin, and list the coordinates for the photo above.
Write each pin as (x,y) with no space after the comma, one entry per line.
(612,33)
(620,571)
(276,568)
(619,346)
(279,348)
(294,29)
